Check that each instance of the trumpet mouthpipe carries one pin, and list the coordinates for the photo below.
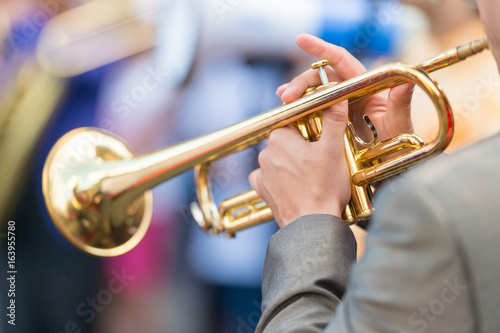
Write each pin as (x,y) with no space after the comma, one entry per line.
(454,55)
(442,60)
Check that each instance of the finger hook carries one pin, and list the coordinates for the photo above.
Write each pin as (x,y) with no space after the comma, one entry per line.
(372,129)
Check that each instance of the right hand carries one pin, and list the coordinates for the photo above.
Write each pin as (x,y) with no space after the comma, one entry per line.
(389,111)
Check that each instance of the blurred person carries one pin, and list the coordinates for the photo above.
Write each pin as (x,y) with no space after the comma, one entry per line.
(52,278)
(138,102)
(430,262)
(138,99)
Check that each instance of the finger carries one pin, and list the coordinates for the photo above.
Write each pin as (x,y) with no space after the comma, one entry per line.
(281,89)
(283,135)
(309,78)
(254,179)
(398,115)
(334,125)
(344,64)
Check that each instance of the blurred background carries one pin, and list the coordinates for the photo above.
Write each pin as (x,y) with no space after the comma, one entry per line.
(160,72)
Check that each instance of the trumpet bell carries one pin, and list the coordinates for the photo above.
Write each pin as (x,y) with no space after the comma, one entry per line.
(90,219)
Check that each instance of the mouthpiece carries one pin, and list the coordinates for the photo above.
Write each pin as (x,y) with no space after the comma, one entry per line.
(466,50)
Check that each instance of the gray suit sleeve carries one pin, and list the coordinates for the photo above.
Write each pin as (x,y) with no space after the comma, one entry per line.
(410,280)
(305,274)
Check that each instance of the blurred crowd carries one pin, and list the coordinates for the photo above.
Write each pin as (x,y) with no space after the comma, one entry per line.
(159,72)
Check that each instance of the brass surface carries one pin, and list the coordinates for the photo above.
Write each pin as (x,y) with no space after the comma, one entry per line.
(93,217)
(97,192)
(319,64)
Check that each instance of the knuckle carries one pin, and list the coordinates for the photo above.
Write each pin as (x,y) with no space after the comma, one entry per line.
(297,83)
(339,55)
(262,158)
(336,113)
(274,137)
(253,178)
(279,138)
(343,50)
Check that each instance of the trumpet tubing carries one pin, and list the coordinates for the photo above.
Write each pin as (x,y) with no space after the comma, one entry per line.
(97,191)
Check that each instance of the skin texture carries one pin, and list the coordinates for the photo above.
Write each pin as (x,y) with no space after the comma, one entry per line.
(298,178)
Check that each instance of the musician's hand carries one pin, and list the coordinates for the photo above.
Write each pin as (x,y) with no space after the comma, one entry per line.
(298,178)
(390,111)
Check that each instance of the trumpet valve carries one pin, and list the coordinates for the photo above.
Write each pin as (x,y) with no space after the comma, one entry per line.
(320,66)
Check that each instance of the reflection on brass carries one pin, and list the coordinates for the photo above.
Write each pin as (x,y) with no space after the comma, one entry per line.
(96,190)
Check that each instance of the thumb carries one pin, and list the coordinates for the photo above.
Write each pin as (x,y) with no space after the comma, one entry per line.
(334,124)
(399,108)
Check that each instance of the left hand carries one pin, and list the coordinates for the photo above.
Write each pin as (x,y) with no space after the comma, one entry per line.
(292,168)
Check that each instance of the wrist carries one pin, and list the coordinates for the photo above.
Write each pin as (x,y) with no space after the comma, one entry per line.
(304,210)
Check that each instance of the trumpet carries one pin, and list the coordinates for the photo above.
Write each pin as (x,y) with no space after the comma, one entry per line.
(98,192)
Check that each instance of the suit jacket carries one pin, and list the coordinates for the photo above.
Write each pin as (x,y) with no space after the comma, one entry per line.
(432,261)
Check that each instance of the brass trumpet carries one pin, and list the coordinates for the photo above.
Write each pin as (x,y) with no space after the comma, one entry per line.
(97,191)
